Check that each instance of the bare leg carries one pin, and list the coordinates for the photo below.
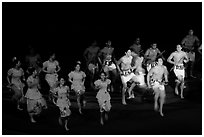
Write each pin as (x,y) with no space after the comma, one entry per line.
(162,100)
(16,97)
(182,87)
(130,92)
(192,68)
(65,125)
(78,102)
(176,87)
(123,94)
(101,119)
(114,79)
(31,118)
(156,96)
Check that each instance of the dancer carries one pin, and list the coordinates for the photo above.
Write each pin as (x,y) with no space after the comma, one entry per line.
(33,59)
(63,103)
(103,84)
(51,67)
(35,101)
(77,78)
(139,72)
(14,76)
(190,43)
(136,47)
(91,58)
(127,74)
(179,57)
(200,49)
(107,59)
(157,74)
(151,55)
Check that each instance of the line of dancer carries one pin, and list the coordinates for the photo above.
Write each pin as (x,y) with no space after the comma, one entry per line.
(134,69)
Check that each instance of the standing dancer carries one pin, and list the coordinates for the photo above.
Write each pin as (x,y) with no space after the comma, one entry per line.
(77,78)
(179,57)
(109,63)
(51,67)
(91,58)
(139,72)
(157,74)
(33,59)
(103,96)
(35,101)
(190,43)
(136,47)
(16,73)
(127,74)
(151,55)
(63,103)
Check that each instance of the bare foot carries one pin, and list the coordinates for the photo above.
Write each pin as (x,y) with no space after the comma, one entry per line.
(124,103)
(80,111)
(155,107)
(176,92)
(66,128)
(32,120)
(102,122)
(161,114)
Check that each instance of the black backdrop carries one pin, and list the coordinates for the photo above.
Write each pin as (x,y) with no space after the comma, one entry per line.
(68,28)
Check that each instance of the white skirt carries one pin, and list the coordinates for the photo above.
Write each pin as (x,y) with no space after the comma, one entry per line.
(126,78)
(157,85)
(179,72)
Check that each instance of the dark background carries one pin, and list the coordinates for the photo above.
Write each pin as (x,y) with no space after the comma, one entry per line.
(68,28)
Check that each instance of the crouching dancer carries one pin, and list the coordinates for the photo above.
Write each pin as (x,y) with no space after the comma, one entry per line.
(157,74)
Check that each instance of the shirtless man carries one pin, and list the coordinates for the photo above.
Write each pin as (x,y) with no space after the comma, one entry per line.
(90,56)
(178,57)
(151,55)
(157,74)
(139,71)
(136,47)
(190,43)
(108,62)
(126,74)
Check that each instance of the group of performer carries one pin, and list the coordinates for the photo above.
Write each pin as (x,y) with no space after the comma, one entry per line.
(135,68)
